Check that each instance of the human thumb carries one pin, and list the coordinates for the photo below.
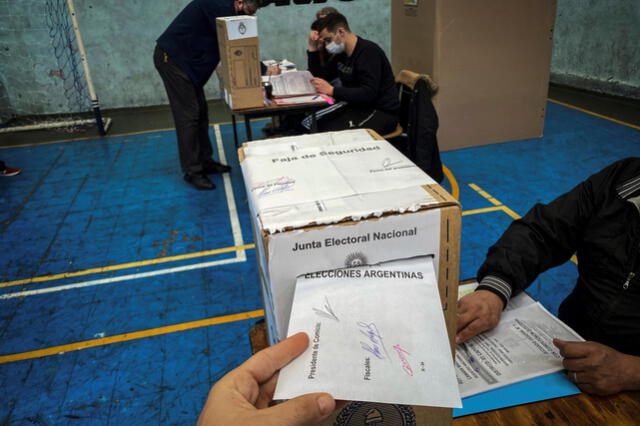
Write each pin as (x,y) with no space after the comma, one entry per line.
(559,343)
(303,410)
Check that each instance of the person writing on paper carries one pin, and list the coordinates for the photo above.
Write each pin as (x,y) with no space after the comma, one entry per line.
(242,397)
(185,56)
(600,221)
(367,96)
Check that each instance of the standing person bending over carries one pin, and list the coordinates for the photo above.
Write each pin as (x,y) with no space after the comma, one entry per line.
(185,56)
(367,96)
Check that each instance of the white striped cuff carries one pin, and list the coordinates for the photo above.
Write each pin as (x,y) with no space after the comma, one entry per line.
(497,284)
(629,187)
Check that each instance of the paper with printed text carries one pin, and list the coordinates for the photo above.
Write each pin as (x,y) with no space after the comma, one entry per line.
(377,333)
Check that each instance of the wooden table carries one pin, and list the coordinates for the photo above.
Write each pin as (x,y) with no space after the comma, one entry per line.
(581,409)
(272,111)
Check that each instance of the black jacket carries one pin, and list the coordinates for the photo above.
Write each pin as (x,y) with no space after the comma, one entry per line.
(192,41)
(600,222)
(421,127)
(366,76)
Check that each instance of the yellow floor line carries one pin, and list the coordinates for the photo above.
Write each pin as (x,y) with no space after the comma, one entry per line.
(485,210)
(595,114)
(455,189)
(500,206)
(485,194)
(125,265)
(54,350)
(507,210)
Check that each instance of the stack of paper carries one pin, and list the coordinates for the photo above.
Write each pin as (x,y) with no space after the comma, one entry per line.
(377,333)
(519,348)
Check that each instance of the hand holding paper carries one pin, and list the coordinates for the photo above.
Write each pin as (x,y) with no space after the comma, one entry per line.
(243,395)
(377,334)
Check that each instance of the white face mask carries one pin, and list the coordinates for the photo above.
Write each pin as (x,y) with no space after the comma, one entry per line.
(334,48)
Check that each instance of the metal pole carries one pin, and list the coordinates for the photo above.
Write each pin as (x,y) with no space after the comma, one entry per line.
(87,73)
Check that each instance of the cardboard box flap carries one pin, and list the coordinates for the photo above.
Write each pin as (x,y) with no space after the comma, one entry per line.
(239,27)
(327,184)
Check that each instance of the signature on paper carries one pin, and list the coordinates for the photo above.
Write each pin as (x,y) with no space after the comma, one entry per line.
(402,354)
(386,163)
(374,343)
(273,186)
(327,312)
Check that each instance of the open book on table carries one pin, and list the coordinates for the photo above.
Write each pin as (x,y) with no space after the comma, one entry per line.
(294,87)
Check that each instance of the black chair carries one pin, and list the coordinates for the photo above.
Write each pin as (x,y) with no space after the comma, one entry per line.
(415,135)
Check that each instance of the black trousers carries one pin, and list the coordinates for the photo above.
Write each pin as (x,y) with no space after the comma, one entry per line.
(352,117)
(190,114)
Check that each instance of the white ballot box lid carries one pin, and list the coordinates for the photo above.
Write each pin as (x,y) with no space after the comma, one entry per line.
(326,178)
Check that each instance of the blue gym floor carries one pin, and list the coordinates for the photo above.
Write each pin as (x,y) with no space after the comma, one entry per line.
(125,294)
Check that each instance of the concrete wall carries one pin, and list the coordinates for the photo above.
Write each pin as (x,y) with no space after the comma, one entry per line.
(119,37)
(597,46)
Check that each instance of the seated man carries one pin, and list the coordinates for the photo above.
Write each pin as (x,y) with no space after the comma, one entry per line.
(367,96)
(600,220)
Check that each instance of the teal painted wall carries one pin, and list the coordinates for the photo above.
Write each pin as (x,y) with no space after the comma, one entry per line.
(119,38)
(596,46)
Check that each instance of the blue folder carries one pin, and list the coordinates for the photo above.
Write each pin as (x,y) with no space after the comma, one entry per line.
(549,386)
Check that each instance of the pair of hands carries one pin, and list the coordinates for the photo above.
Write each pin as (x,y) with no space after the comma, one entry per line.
(242,397)
(593,367)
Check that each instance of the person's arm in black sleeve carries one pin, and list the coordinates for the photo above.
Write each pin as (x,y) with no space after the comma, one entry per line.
(327,72)
(368,68)
(547,236)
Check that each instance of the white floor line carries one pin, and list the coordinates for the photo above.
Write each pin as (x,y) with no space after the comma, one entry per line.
(241,255)
(231,202)
(174,270)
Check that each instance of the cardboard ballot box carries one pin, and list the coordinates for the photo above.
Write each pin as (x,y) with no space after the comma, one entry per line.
(240,61)
(339,199)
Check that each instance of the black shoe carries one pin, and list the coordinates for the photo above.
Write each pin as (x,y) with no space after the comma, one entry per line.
(215,168)
(199,181)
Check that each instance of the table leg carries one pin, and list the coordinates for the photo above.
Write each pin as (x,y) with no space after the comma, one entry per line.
(247,126)
(235,131)
(314,122)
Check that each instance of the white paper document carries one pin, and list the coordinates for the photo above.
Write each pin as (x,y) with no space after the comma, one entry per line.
(285,179)
(290,144)
(519,348)
(294,100)
(295,83)
(377,333)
